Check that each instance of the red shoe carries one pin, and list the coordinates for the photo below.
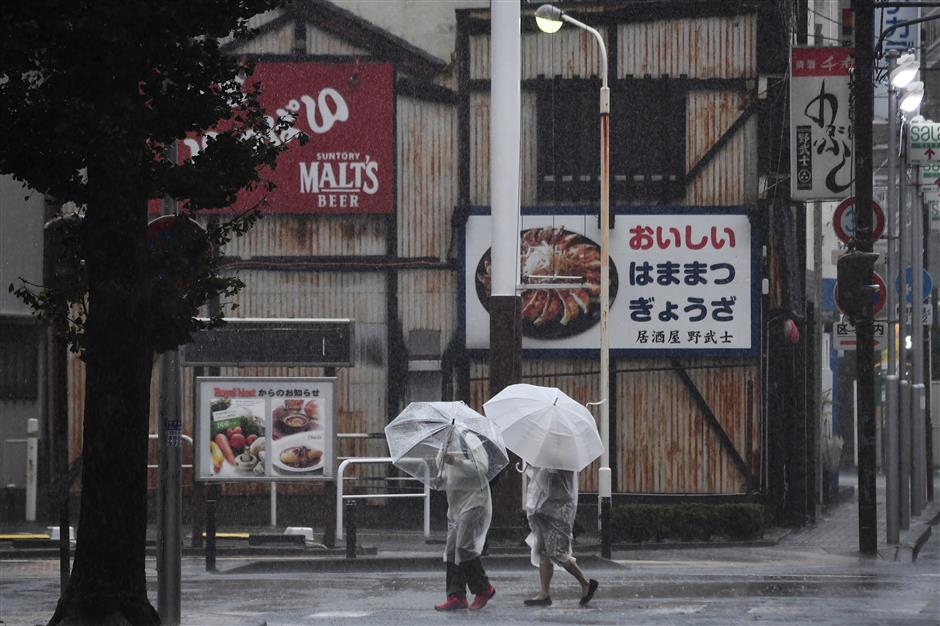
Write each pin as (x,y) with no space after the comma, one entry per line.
(480,600)
(452,603)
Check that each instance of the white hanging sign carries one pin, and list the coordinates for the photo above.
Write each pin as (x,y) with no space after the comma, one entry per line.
(821,136)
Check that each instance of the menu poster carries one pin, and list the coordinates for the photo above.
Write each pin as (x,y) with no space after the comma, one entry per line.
(265,429)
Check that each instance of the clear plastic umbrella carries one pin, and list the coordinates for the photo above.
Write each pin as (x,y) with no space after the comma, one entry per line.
(429,437)
(545,427)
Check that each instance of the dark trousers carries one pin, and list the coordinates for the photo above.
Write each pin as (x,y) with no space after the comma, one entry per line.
(467,574)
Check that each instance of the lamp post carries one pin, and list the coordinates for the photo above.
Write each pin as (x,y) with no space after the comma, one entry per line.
(902,70)
(892,486)
(549,19)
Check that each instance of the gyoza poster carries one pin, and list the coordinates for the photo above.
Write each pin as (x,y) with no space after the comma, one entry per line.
(682,280)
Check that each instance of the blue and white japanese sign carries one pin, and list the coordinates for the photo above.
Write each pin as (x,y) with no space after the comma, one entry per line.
(903,39)
(683,280)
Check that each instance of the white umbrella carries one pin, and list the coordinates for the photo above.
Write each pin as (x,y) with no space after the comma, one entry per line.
(545,427)
(426,436)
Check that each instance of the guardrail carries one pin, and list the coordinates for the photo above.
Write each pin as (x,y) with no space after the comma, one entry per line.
(182,436)
(340,495)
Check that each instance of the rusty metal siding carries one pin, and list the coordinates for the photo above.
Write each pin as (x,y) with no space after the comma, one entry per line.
(428,303)
(277,41)
(529,146)
(579,378)
(313,235)
(663,443)
(360,296)
(569,53)
(480,149)
(321,42)
(427,176)
(725,180)
(714,47)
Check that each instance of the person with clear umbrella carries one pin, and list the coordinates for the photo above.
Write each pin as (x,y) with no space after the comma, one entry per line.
(453,448)
(551,505)
(469,511)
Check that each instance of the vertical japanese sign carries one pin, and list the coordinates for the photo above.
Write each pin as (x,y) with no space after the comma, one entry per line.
(265,429)
(821,134)
(683,281)
(904,38)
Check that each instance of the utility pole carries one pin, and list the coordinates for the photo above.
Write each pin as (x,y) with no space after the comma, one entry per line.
(863,92)
(505,304)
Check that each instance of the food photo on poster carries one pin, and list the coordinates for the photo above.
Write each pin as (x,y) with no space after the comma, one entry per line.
(252,429)
(237,436)
(555,255)
(297,439)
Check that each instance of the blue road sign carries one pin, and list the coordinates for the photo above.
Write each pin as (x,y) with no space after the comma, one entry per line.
(908,281)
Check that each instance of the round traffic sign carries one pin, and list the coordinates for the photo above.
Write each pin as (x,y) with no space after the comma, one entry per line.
(844,219)
(877,299)
(927,284)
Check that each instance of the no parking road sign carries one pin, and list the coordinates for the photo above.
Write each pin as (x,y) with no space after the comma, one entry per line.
(878,298)
(844,220)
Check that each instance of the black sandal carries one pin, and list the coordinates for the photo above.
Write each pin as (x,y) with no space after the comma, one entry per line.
(546,601)
(592,587)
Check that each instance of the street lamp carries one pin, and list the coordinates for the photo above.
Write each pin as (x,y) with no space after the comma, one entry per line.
(549,19)
(911,96)
(904,71)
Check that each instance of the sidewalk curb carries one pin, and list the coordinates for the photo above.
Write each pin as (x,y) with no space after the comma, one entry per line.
(395,564)
(914,539)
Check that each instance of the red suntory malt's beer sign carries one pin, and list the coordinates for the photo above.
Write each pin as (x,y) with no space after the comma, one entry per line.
(346,111)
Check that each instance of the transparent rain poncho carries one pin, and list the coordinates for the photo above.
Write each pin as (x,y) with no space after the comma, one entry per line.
(551,504)
(453,449)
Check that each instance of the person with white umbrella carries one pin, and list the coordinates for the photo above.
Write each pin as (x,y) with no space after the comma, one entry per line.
(551,505)
(557,438)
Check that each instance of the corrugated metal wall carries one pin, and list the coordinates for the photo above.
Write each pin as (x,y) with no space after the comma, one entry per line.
(427,177)
(579,378)
(321,42)
(713,47)
(667,445)
(311,235)
(664,443)
(724,180)
(278,40)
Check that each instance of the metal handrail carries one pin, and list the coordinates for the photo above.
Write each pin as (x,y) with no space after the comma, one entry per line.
(340,496)
(182,436)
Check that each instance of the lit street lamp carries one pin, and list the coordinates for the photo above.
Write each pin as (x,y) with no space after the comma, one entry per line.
(549,19)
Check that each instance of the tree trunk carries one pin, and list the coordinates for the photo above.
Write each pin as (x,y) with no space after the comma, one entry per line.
(108,582)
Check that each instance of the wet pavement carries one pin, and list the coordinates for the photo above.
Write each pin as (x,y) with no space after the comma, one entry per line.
(812,576)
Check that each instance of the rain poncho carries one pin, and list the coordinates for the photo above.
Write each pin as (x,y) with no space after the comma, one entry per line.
(469,507)
(551,505)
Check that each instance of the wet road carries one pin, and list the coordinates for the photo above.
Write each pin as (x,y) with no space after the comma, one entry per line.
(718,587)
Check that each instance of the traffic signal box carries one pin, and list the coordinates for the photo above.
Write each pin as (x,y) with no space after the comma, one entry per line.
(855,283)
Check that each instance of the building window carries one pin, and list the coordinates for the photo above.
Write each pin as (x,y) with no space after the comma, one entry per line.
(19,358)
(647,141)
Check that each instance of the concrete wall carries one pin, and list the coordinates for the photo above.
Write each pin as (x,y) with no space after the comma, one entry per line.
(21,221)
(428,24)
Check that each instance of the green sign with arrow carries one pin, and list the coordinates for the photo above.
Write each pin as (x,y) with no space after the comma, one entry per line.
(923,143)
